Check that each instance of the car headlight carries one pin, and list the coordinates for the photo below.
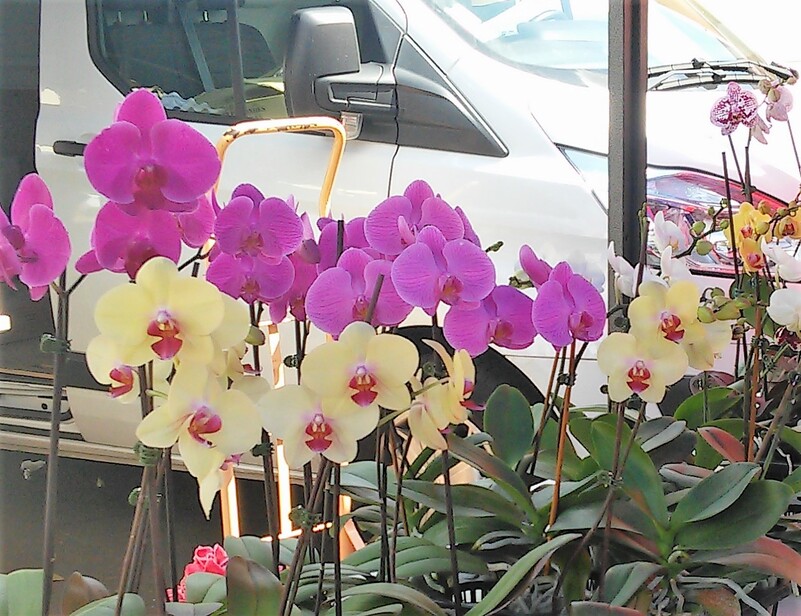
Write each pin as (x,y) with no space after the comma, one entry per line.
(684,197)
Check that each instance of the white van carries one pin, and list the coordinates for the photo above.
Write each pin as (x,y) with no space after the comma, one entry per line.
(501,105)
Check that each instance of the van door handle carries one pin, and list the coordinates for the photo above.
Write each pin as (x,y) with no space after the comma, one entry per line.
(69,148)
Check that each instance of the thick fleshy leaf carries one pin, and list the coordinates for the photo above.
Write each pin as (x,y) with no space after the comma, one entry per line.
(723,442)
(514,581)
(508,419)
(714,493)
(623,581)
(765,554)
(252,589)
(111,161)
(190,160)
(756,511)
(593,608)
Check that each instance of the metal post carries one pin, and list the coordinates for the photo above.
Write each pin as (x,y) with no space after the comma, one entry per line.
(628,77)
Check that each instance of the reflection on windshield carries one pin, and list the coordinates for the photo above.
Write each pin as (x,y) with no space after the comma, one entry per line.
(573,34)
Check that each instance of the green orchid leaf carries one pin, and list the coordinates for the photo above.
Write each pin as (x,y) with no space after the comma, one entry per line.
(132,605)
(714,493)
(252,589)
(719,400)
(515,579)
(593,608)
(399,592)
(723,443)
(508,419)
(757,510)
(192,609)
(767,555)
(24,591)
(203,587)
(623,581)
(468,500)
(81,590)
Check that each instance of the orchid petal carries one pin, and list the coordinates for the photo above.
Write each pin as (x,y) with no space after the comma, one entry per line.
(424,430)
(48,239)
(197,305)
(31,191)
(328,368)
(381,226)
(197,226)
(235,324)
(472,267)
(200,459)
(144,110)
(159,428)
(390,309)
(417,192)
(415,276)
(438,213)
(189,157)
(111,161)
(123,313)
(330,301)
(468,328)
(281,227)
(550,314)
(233,223)
(241,427)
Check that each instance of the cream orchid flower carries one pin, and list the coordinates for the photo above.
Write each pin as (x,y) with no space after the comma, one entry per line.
(208,423)
(785,308)
(704,342)
(461,380)
(665,312)
(639,367)
(363,368)
(787,267)
(216,480)
(163,315)
(107,365)
(432,411)
(309,425)
(673,269)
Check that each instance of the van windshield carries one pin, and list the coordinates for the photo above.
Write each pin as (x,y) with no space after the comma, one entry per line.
(572,35)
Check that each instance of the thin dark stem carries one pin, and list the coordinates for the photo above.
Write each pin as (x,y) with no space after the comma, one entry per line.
(457,593)
(75,284)
(382,499)
(140,545)
(307,491)
(379,281)
(318,602)
(271,499)
(337,557)
(48,551)
(737,165)
(254,321)
(340,238)
(133,539)
(643,249)
(291,587)
(400,510)
(169,505)
(755,369)
(546,412)
(563,421)
(732,230)
(384,508)
(199,256)
(615,471)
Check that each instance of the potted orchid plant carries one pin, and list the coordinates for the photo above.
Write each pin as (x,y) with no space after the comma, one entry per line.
(481,494)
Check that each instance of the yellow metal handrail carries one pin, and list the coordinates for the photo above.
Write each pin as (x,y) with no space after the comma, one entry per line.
(295,125)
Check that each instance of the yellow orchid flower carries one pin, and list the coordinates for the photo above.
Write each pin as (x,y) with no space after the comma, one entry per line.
(107,365)
(432,411)
(790,225)
(748,223)
(640,367)
(309,424)
(162,316)
(208,423)
(229,338)
(363,368)
(665,312)
(461,379)
(704,342)
(215,481)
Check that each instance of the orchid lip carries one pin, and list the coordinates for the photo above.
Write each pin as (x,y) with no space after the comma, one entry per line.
(363,383)
(638,377)
(204,421)
(319,430)
(15,237)
(122,381)
(165,328)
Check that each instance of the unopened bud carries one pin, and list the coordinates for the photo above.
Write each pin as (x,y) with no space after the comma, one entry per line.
(703,247)
(728,312)
(705,315)
(724,224)
(763,207)
(773,95)
(698,227)
(791,80)
(762,227)
(711,210)
(743,302)
(716,292)
(783,212)
(255,336)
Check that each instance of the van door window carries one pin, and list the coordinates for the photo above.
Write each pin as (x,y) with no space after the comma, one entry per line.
(185,51)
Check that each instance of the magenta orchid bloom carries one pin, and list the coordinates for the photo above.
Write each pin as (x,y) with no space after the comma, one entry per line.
(342,294)
(251,279)
(502,318)
(395,222)
(122,243)
(196,227)
(737,107)
(145,161)
(567,308)
(469,233)
(294,300)
(434,270)
(268,229)
(34,244)
(537,270)
(353,237)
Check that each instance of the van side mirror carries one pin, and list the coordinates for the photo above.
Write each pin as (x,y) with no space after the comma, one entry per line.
(323,72)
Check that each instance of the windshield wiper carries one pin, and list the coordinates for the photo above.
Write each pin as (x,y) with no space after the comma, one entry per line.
(703,72)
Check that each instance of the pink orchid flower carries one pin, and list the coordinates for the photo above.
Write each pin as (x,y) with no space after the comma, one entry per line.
(268,229)
(145,161)
(502,318)
(737,107)
(435,270)
(251,279)
(535,268)
(294,300)
(34,244)
(197,226)
(342,294)
(779,102)
(353,237)
(567,308)
(206,559)
(123,243)
(395,223)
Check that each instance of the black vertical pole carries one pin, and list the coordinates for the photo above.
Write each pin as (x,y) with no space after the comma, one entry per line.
(628,79)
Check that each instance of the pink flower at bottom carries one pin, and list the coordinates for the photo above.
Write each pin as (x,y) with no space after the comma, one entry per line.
(206,559)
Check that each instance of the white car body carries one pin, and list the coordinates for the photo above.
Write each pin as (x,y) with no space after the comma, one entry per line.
(532,195)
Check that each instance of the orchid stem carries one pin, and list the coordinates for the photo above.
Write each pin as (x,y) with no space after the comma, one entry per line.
(457,593)
(732,230)
(337,530)
(795,149)
(169,504)
(379,282)
(755,369)
(563,421)
(134,539)
(545,413)
(768,447)
(48,556)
